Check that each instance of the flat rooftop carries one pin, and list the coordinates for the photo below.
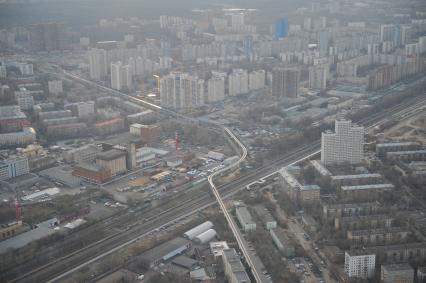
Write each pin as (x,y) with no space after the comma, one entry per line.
(43,229)
(397,267)
(368,187)
(111,154)
(358,176)
(165,248)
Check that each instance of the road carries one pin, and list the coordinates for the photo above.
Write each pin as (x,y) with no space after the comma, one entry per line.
(242,244)
(88,255)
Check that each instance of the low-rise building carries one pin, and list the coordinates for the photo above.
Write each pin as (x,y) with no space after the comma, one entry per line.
(216,155)
(111,126)
(234,269)
(13,167)
(353,180)
(331,210)
(377,236)
(166,251)
(16,139)
(397,273)
(92,173)
(148,133)
(84,154)
(357,222)
(11,229)
(407,156)
(266,217)
(364,192)
(245,219)
(282,241)
(309,194)
(383,148)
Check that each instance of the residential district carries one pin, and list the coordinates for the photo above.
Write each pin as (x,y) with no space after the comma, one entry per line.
(220,143)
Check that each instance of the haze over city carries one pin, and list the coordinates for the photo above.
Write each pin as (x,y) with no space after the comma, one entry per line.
(232,141)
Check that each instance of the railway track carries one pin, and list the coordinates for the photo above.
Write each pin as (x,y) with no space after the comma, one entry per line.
(199,199)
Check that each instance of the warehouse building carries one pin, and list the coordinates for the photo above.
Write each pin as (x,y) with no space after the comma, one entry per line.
(194,232)
(114,160)
(166,251)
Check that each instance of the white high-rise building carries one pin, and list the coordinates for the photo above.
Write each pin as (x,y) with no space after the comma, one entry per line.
(121,76)
(216,87)
(3,72)
(238,82)
(318,76)
(387,32)
(166,62)
(55,87)
(237,20)
(344,145)
(359,265)
(26,69)
(181,91)
(97,63)
(257,79)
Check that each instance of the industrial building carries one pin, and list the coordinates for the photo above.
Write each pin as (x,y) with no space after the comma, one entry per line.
(166,251)
(84,154)
(91,173)
(194,232)
(113,160)
(205,237)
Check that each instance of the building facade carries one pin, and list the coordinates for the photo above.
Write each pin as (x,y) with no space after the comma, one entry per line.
(181,91)
(285,82)
(344,145)
(359,265)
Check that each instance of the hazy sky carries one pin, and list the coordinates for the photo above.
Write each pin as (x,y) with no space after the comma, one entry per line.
(89,11)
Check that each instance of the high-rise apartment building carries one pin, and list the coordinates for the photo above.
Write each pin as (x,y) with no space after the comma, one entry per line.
(344,145)
(121,76)
(257,79)
(285,82)
(181,90)
(3,71)
(216,87)
(46,37)
(238,82)
(97,63)
(55,87)
(281,28)
(318,76)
